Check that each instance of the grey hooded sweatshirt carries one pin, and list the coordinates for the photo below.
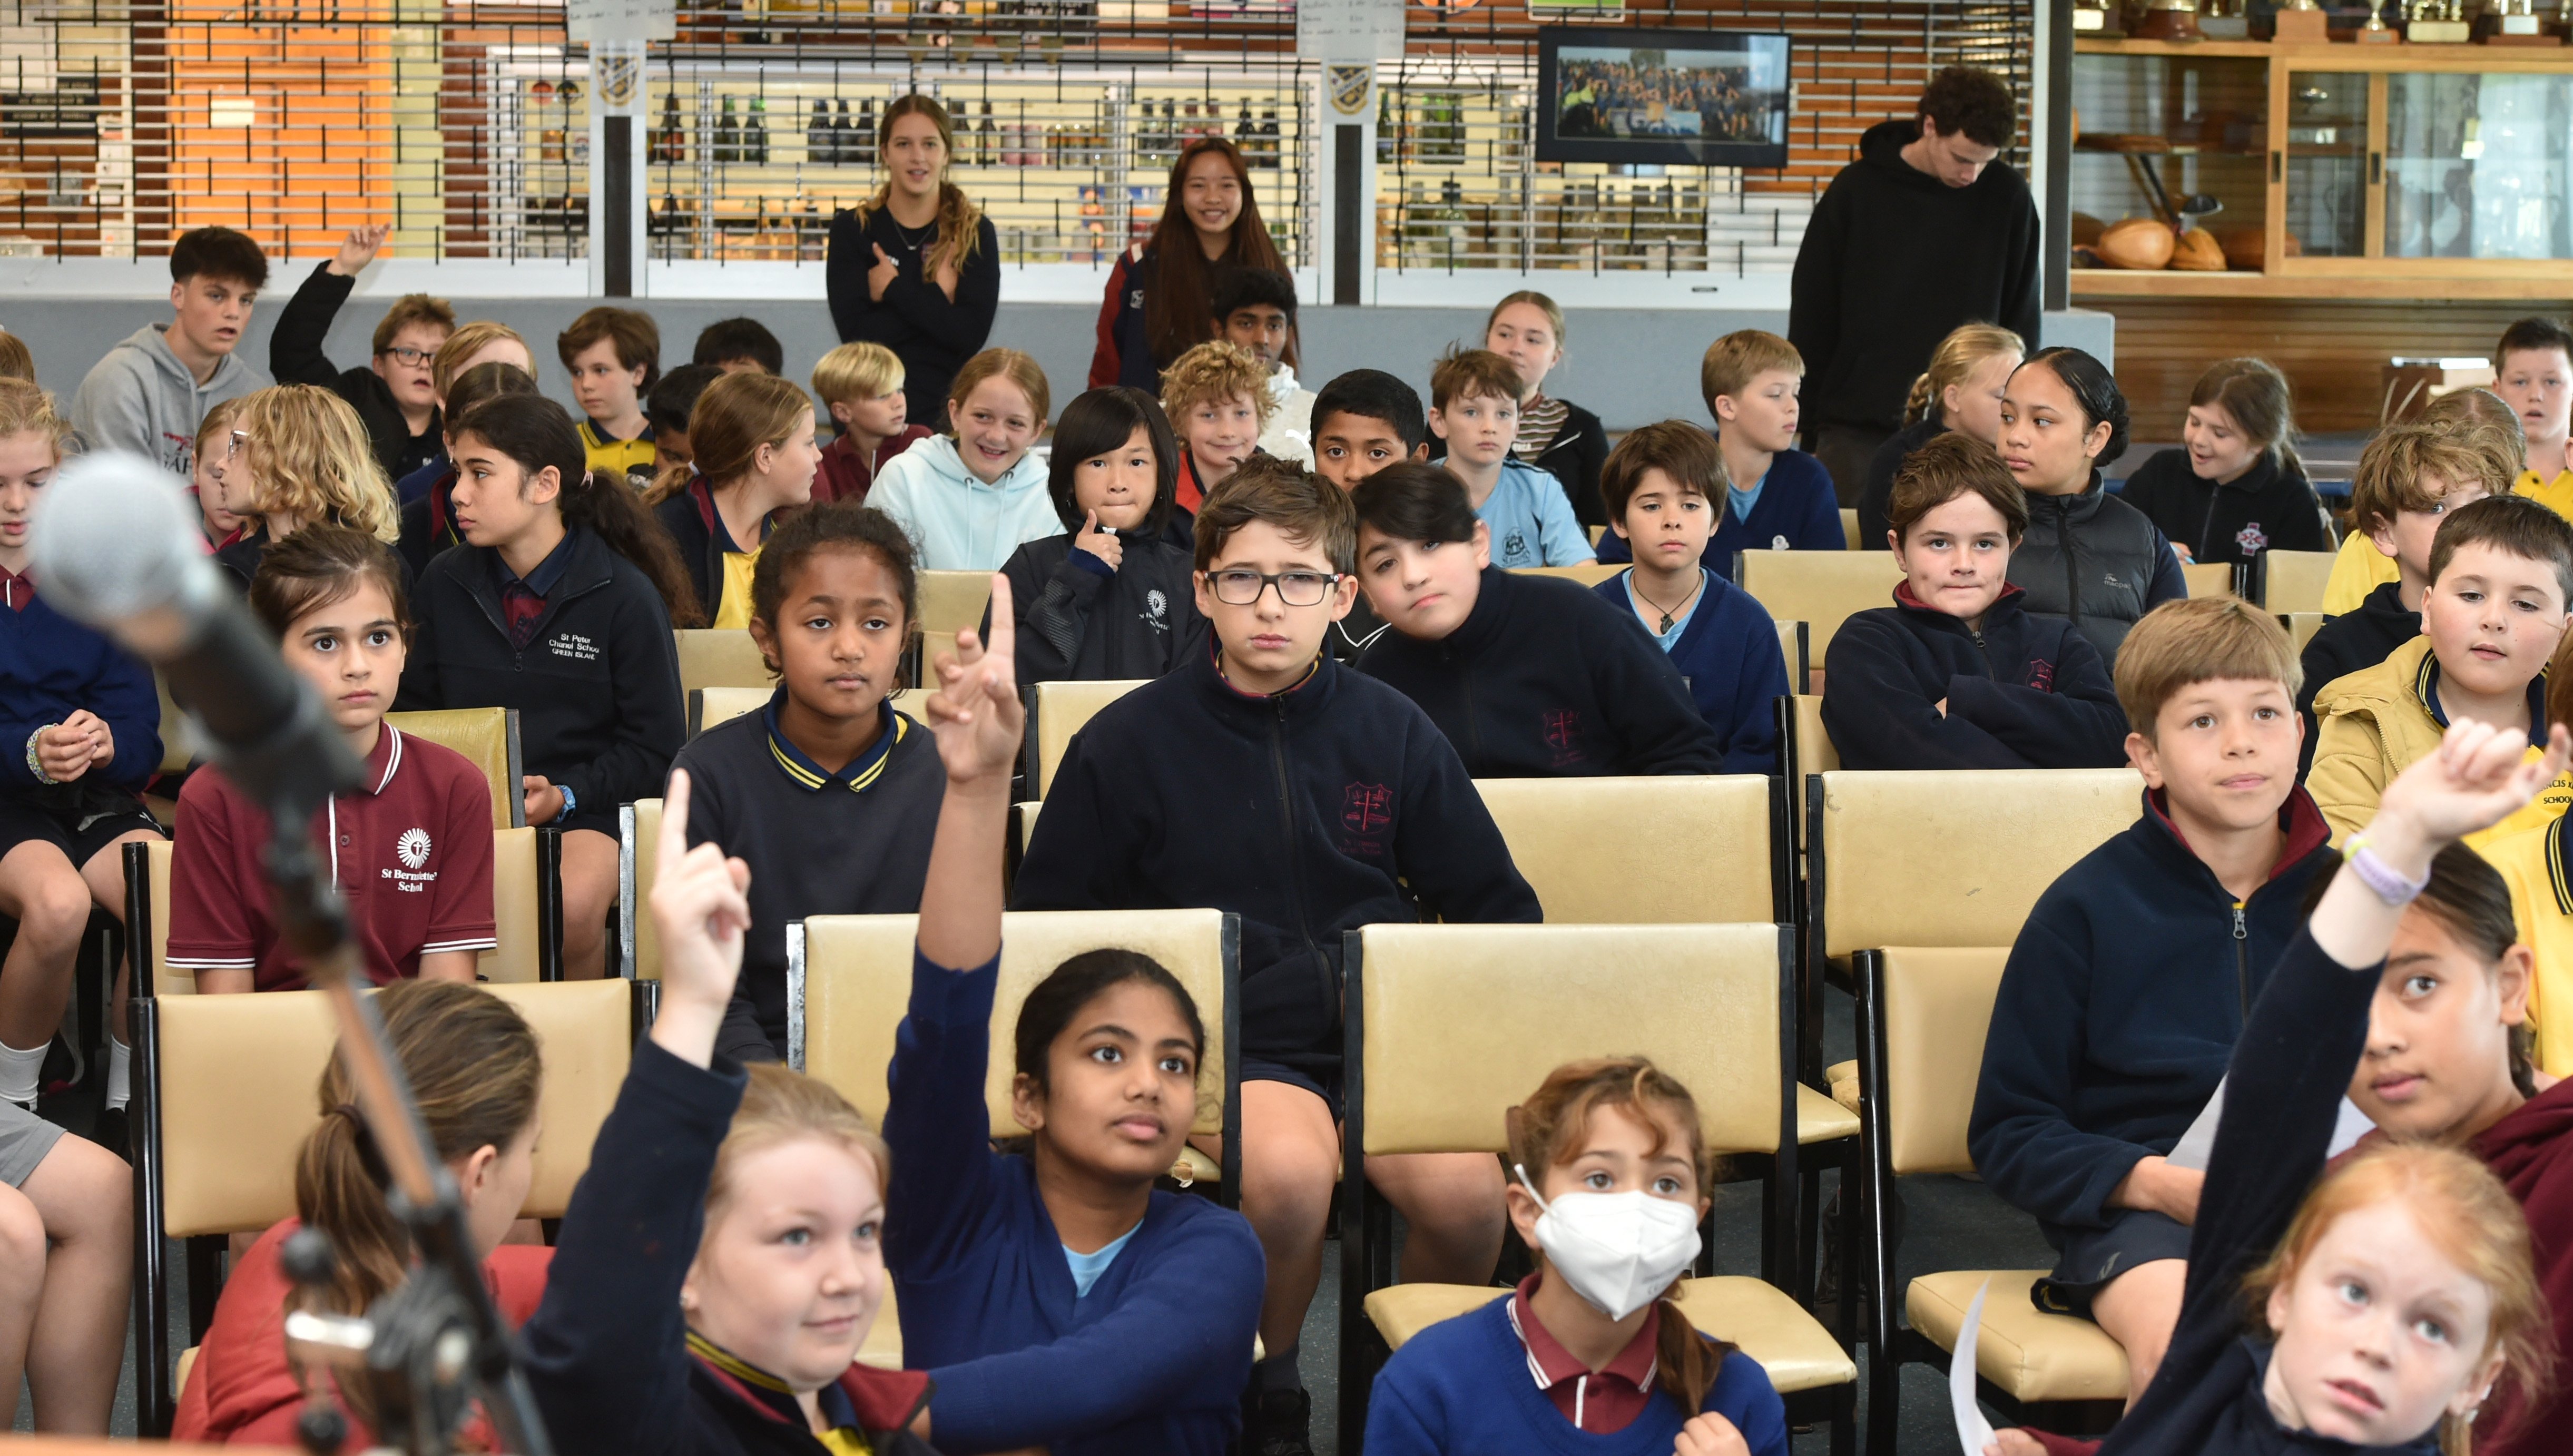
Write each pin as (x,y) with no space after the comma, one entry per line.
(141,399)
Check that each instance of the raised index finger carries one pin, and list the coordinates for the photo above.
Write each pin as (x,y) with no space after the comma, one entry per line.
(1004,638)
(675,820)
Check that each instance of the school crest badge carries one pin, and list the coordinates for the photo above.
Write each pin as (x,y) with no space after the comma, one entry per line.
(1349,85)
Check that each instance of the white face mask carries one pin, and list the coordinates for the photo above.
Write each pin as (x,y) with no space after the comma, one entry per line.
(1618,1252)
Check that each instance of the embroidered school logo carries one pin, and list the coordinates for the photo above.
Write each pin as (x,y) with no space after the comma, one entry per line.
(1157,604)
(1564,736)
(412,848)
(2252,539)
(1514,547)
(1366,808)
(2041,675)
(575,645)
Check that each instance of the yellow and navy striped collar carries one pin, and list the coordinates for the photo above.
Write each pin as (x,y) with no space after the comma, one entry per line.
(2425,686)
(2556,847)
(862,772)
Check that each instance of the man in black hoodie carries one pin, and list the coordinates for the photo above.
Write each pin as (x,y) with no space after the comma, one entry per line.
(1923,233)
(1528,676)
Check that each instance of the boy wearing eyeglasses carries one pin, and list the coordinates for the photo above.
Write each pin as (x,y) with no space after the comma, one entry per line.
(1530,677)
(393,395)
(1265,779)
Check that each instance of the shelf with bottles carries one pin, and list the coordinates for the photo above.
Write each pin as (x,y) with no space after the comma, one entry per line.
(1547,221)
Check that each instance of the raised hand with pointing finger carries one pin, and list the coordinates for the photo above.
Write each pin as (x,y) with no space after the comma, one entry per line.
(1099,541)
(701,912)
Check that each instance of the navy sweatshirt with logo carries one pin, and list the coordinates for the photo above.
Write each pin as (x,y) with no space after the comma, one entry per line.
(596,687)
(2022,691)
(1333,805)
(2123,997)
(1080,619)
(1544,679)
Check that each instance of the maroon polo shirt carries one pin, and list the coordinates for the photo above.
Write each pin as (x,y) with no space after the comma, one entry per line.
(412,850)
(1599,1401)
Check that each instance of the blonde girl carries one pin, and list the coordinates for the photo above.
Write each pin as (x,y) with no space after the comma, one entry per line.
(751,435)
(917,267)
(299,453)
(1961,390)
(967,498)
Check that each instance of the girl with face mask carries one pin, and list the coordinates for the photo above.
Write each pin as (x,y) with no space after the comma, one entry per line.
(1610,1175)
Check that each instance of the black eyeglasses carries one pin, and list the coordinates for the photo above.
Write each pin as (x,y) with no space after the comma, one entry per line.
(1295,589)
(410,358)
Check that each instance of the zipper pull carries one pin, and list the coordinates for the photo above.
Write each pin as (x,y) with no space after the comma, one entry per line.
(2240,931)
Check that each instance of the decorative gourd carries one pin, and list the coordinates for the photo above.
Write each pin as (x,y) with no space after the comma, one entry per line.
(2137,243)
(2195,252)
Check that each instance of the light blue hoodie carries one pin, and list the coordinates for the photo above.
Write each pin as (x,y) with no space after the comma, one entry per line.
(955,521)
(1531,519)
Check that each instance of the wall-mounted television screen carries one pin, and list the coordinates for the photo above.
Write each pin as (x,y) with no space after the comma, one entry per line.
(1700,98)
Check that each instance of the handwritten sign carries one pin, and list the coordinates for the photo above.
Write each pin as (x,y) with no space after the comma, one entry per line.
(1349,30)
(621,20)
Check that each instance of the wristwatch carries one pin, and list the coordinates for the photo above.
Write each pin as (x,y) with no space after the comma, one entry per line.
(572,801)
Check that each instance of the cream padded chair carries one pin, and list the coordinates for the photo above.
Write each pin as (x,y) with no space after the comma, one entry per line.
(638,852)
(2211,578)
(217,1132)
(2301,627)
(2293,581)
(951,601)
(1057,711)
(1822,589)
(720,657)
(1791,646)
(178,736)
(1582,573)
(489,737)
(1849,530)
(526,885)
(1449,1026)
(1922,1020)
(1715,848)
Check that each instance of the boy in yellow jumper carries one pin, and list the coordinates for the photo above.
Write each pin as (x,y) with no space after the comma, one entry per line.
(2537,864)
(2494,613)
(2481,417)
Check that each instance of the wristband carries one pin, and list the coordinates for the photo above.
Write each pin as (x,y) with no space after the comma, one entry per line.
(36,764)
(572,801)
(2389,883)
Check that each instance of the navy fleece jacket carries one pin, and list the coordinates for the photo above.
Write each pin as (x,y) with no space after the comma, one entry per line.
(52,667)
(1544,679)
(1330,806)
(1151,1360)
(2023,691)
(2123,1000)
(1728,656)
(1796,511)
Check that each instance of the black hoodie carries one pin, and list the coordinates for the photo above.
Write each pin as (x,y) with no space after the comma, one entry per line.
(1544,679)
(596,687)
(2266,508)
(1893,259)
(1080,619)
(2022,691)
(2352,642)
(2097,562)
(1328,807)
(294,355)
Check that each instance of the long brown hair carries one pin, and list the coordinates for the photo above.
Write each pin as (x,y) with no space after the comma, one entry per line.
(535,432)
(2261,402)
(475,1071)
(960,223)
(736,416)
(1179,303)
(1546,1132)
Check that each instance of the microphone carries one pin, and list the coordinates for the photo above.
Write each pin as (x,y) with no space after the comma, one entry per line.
(113,546)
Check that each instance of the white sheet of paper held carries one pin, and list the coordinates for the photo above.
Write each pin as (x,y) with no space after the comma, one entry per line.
(2200,1140)
(1974,1433)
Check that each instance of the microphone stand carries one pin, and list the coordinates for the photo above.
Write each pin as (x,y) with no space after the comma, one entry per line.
(426,1344)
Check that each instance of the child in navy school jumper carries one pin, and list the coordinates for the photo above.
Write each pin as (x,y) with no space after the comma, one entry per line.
(80,734)
(1265,779)
(1593,1135)
(2132,977)
(722,1260)
(1661,485)
(827,793)
(1750,379)
(1955,674)
(558,605)
(753,457)
(1365,420)
(428,519)
(1057,1299)
(1529,677)
(1109,597)
(2393,1299)
(1474,412)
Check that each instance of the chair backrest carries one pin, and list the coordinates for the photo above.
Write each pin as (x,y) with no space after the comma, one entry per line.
(1456,1023)
(1951,858)
(231,1124)
(1820,588)
(1937,1004)
(1713,856)
(1058,710)
(638,854)
(1849,530)
(951,601)
(2293,581)
(2210,578)
(1809,744)
(855,982)
(720,657)
(1791,646)
(518,920)
(711,706)
(2301,627)
(1024,813)
(177,744)
(931,646)
(487,736)
(1586,573)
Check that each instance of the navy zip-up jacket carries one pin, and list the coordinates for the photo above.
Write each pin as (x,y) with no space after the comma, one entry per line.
(609,1354)
(2023,691)
(1544,679)
(1330,806)
(2352,642)
(596,687)
(2123,997)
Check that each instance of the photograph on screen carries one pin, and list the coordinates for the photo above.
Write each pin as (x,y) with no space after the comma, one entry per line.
(1709,98)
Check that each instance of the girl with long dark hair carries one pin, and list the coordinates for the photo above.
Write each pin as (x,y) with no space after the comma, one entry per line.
(1161,295)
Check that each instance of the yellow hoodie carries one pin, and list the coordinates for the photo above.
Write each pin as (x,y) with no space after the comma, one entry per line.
(2376,721)
(2533,862)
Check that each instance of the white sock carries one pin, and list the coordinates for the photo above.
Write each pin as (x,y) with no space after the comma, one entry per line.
(119,1074)
(20,1072)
